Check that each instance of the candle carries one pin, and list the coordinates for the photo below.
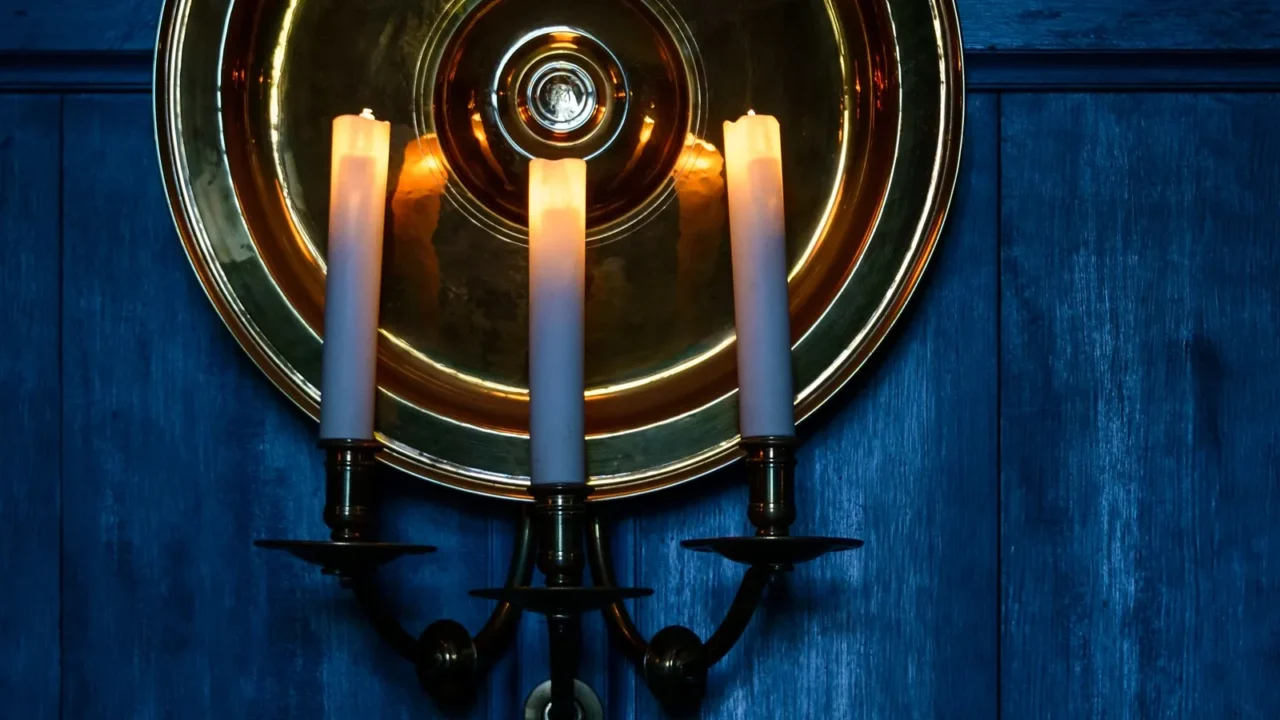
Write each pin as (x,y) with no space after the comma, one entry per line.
(557,277)
(357,205)
(753,161)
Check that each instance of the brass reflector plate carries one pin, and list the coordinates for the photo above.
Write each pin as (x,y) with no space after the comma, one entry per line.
(870,97)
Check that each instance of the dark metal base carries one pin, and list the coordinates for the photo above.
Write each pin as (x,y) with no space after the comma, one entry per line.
(345,559)
(448,664)
(773,552)
(561,600)
(675,670)
(588,707)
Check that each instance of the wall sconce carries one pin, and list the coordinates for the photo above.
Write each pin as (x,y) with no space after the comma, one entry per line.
(872,96)
(563,539)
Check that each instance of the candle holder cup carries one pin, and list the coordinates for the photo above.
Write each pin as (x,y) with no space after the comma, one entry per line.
(770,469)
(449,660)
(559,535)
(350,552)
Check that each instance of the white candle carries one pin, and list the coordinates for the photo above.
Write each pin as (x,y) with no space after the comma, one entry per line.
(557,281)
(357,207)
(753,161)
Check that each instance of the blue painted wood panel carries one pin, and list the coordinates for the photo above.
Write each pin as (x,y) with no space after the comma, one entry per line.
(1120,25)
(906,460)
(178,454)
(30,405)
(1064,461)
(46,26)
(78,25)
(1139,431)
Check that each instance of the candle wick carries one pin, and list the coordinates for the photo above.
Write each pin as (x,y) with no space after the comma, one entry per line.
(367,114)
(751,112)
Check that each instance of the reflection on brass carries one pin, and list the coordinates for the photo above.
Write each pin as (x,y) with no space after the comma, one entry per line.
(410,257)
(482,144)
(869,96)
(563,78)
(646,132)
(703,234)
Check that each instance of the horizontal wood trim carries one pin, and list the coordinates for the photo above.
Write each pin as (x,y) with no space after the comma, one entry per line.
(71,72)
(1122,71)
(1035,71)
(95,25)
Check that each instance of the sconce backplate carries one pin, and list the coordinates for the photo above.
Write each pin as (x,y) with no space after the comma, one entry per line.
(870,97)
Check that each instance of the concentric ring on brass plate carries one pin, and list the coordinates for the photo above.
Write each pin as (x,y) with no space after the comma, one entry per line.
(870,97)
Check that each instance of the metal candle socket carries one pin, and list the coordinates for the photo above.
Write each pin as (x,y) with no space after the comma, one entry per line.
(350,552)
(564,538)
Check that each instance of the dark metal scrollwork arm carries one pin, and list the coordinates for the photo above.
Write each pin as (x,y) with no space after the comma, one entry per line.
(676,661)
(388,627)
(496,635)
(735,621)
(449,660)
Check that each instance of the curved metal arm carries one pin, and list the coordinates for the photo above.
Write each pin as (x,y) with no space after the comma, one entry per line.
(497,632)
(634,645)
(388,627)
(448,660)
(738,617)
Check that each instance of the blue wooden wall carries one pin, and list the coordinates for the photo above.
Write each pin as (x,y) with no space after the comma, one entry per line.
(1066,462)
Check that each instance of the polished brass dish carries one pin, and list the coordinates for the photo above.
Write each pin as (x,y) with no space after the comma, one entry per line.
(870,98)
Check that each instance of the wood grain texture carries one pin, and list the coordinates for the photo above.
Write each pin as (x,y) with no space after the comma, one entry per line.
(1140,447)
(1072,25)
(178,454)
(71,25)
(905,459)
(1135,575)
(30,405)
(1084,25)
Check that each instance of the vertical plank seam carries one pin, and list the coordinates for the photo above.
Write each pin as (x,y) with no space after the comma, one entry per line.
(511,687)
(999,333)
(638,608)
(62,134)
(490,531)
(513,648)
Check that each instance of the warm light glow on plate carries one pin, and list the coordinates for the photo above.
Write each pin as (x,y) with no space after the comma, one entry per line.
(869,96)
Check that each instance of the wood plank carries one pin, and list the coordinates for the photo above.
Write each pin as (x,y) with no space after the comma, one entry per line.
(1140,449)
(1072,25)
(74,25)
(178,454)
(30,405)
(905,459)
(1075,25)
